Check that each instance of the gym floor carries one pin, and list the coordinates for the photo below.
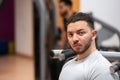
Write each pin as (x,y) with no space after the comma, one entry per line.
(16,68)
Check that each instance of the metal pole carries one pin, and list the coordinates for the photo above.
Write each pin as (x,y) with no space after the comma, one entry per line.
(43,26)
(111,55)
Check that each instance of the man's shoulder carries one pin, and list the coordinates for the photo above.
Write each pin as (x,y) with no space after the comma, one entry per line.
(69,61)
(97,62)
(101,61)
(100,66)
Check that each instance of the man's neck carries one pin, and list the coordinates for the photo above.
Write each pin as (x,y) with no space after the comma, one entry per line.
(81,56)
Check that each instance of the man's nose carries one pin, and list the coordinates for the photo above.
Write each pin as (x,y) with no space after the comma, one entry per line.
(75,37)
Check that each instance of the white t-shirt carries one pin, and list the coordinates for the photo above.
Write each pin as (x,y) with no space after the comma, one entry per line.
(93,67)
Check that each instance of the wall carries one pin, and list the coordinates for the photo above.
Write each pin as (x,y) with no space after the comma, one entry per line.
(7,27)
(106,10)
(24,27)
(7,21)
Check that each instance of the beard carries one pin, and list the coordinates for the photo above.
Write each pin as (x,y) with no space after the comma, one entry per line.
(64,13)
(84,46)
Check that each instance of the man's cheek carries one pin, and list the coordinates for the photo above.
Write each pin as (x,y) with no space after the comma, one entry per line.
(83,41)
(85,38)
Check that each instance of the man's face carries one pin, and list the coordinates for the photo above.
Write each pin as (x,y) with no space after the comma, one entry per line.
(80,36)
(63,9)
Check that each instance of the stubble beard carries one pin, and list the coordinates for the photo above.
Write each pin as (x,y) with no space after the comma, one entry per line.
(86,46)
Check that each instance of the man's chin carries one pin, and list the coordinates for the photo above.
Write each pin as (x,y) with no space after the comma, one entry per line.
(79,51)
(62,15)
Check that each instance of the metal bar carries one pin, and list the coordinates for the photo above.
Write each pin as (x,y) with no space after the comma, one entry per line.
(111,28)
(111,55)
(43,25)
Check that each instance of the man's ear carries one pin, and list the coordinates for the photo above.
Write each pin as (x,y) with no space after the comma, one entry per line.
(94,34)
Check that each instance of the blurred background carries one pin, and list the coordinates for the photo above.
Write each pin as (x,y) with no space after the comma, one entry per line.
(29,29)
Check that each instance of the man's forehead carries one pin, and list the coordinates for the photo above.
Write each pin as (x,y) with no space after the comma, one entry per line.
(62,3)
(79,25)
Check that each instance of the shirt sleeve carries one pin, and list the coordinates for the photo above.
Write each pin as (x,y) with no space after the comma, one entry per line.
(103,74)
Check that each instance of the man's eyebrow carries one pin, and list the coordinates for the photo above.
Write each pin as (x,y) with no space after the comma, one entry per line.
(77,30)
(80,30)
(69,32)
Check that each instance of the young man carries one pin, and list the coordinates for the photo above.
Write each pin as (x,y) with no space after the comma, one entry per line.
(89,64)
(65,10)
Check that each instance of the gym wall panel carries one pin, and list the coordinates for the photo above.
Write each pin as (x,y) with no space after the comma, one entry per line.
(6,27)
(107,11)
(7,21)
(24,27)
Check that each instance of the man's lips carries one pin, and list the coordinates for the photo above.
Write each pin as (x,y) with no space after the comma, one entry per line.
(77,46)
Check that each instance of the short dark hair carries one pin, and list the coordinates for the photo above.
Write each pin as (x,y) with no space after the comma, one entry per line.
(67,2)
(81,17)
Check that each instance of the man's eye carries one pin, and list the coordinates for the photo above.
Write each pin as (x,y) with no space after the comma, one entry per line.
(81,33)
(70,35)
